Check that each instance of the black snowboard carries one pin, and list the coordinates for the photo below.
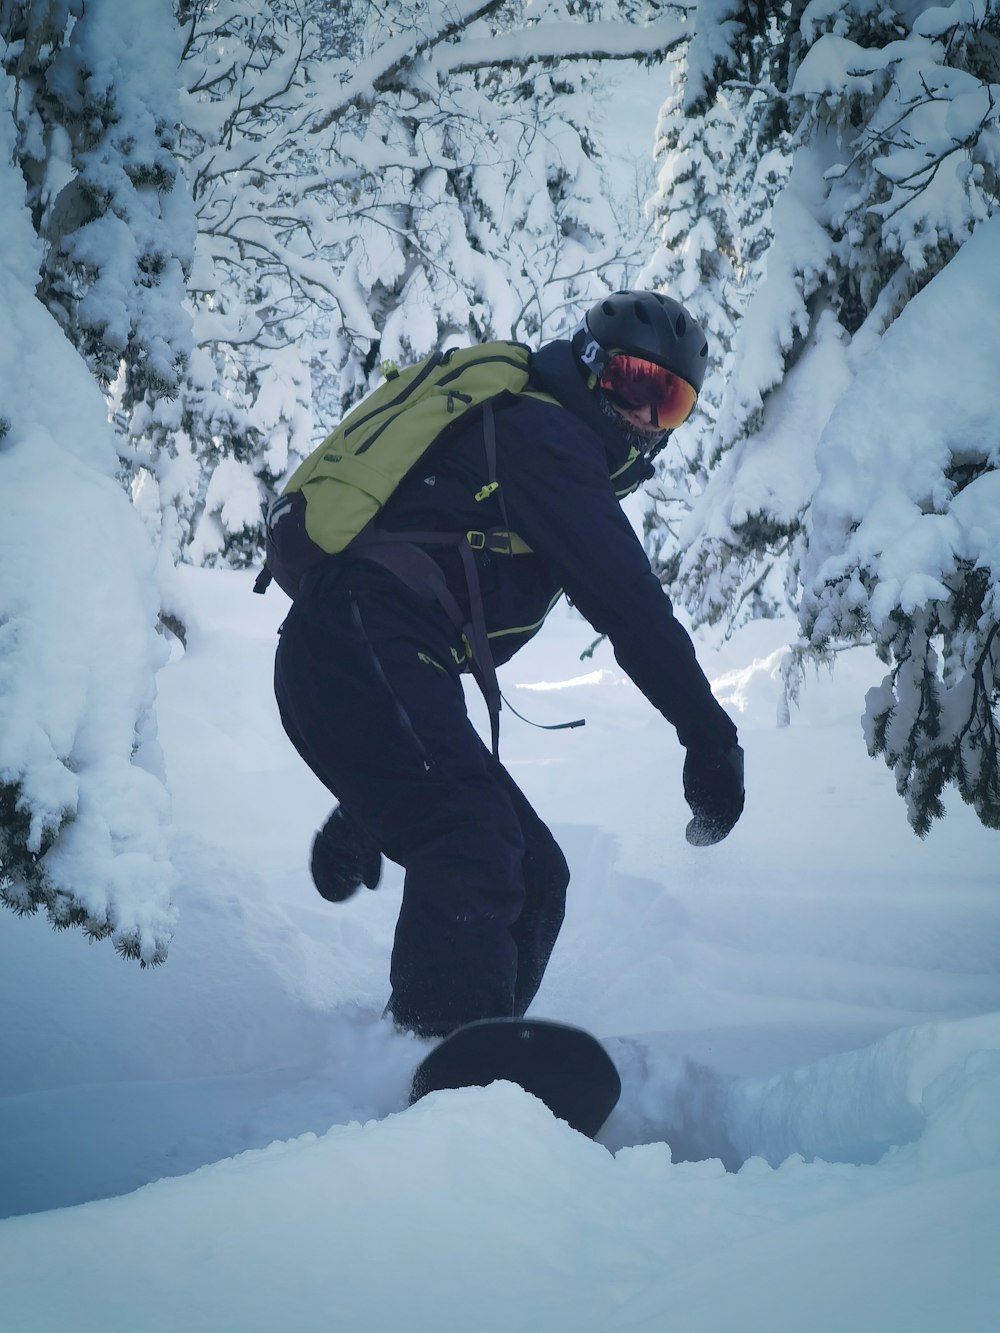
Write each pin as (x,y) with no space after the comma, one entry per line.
(563,1066)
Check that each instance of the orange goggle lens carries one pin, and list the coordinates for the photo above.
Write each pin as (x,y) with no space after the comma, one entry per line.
(634,384)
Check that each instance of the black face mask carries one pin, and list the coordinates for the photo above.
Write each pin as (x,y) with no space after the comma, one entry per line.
(647,442)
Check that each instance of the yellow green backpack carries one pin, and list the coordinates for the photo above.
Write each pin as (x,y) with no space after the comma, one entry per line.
(338,491)
(333,500)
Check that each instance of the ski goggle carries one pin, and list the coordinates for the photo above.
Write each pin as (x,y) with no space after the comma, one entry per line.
(632,383)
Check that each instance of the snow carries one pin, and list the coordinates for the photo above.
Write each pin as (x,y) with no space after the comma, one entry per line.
(926,395)
(805,1018)
(140,244)
(78,648)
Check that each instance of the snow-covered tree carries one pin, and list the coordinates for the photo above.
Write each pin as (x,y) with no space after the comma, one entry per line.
(927,164)
(83,809)
(895,115)
(721,146)
(97,110)
(367,182)
(370,184)
(484,212)
(257,282)
(905,536)
(475,173)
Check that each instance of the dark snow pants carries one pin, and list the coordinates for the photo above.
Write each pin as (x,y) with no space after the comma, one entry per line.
(370,695)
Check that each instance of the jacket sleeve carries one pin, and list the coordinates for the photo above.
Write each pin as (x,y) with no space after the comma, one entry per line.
(554,477)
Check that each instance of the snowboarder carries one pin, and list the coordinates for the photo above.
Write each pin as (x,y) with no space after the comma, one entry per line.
(368,670)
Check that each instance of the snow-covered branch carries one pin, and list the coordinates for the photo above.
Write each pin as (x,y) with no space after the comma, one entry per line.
(438,54)
(563,41)
(376,73)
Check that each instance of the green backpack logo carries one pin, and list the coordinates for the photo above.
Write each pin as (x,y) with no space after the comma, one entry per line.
(339,490)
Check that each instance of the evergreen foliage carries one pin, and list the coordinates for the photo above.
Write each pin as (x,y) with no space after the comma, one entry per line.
(869,138)
(723,157)
(97,138)
(83,808)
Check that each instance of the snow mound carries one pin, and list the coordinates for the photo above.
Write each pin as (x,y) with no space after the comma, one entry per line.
(493,1211)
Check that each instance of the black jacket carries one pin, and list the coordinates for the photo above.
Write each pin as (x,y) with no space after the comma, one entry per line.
(561,471)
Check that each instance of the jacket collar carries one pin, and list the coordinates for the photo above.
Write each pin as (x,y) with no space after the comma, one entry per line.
(555,369)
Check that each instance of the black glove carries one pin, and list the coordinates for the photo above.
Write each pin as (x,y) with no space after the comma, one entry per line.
(713,788)
(343,858)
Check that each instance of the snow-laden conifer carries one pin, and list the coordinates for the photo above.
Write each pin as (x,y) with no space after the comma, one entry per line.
(83,809)
(905,537)
(720,150)
(895,121)
(96,106)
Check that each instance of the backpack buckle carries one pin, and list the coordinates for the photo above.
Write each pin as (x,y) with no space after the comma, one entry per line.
(477,540)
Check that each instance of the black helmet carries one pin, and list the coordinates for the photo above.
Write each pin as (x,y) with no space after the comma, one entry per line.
(644,324)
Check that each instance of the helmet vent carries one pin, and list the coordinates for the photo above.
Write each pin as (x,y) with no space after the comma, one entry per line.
(608,308)
(681,326)
(640,313)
